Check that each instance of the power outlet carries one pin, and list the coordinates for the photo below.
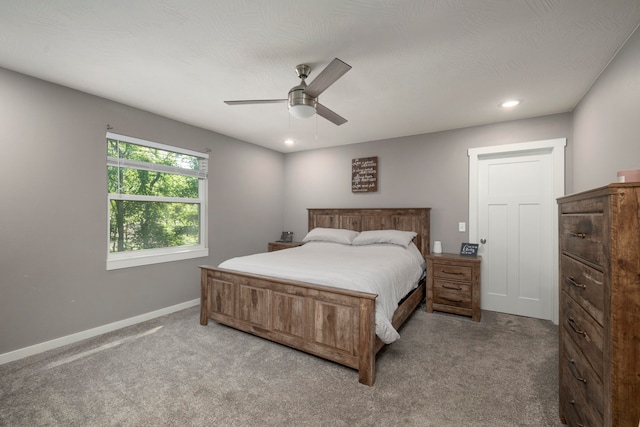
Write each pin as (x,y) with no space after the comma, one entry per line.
(462,227)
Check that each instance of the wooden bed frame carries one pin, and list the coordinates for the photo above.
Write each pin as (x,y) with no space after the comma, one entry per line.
(331,323)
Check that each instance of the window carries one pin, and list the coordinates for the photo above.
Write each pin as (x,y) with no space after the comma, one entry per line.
(157,202)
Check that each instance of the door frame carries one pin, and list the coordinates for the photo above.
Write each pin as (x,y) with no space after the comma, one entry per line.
(555,148)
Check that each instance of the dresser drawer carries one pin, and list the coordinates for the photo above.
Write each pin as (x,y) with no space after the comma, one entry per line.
(588,205)
(582,379)
(583,236)
(584,330)
(584,284)
(575,410)
(455,272)
(452,293)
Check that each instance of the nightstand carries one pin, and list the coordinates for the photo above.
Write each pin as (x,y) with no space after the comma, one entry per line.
(453,284)
(277,246)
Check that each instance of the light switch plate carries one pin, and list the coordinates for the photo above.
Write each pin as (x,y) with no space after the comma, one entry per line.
(462,227)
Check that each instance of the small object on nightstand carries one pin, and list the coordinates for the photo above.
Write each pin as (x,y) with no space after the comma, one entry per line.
(287,236)
(277,246)
(469,249)
(453,284)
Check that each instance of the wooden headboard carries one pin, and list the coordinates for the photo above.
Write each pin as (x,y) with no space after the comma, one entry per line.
(405,219)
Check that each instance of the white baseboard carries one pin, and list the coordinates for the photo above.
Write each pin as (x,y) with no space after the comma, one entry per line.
(70,339)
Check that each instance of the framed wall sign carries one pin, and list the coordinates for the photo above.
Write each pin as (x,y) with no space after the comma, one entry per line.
(364,175)
(469,249)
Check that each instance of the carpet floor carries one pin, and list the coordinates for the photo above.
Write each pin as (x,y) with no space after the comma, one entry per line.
(171,371)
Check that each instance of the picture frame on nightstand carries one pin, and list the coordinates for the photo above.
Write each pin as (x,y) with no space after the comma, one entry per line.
(469,249)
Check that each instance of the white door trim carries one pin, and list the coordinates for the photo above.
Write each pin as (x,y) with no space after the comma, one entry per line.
(556,148)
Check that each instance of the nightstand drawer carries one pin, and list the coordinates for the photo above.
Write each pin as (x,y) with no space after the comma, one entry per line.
(455,272)
(451,293)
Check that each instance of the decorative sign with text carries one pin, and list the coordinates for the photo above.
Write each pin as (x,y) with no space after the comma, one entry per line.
(364,175)
(469,249)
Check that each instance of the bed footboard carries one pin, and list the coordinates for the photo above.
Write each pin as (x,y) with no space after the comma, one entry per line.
(335,324)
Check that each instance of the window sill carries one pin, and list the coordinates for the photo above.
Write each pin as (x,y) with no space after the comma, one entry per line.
(117,261)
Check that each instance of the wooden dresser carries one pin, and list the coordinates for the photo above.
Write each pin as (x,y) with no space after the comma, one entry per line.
(599,232)
(453,284)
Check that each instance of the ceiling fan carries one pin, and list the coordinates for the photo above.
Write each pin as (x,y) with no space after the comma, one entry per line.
(303,99)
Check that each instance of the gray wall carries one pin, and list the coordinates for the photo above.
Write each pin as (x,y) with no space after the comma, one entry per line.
(607,122)
(430,170)
(53,278)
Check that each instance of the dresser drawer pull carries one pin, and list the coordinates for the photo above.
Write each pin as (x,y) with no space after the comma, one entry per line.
(456,288)
(575,327)
(457,273)
(573,362)
(452,299)
(573,402)
(579,235)
(573,282)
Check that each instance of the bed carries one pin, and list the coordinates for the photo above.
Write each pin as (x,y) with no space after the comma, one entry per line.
(332,323)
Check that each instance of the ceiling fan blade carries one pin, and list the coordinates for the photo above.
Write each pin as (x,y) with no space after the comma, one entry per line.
(327,77)
(256,101)
(334,118)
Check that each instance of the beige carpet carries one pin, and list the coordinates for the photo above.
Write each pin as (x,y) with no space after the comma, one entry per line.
(444,371)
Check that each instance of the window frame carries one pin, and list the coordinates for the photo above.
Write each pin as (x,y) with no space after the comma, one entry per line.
(118,260)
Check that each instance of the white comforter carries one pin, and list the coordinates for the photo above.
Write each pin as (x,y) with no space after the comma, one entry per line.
(390,271)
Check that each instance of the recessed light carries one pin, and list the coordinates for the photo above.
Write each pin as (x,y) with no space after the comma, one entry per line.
(510,103)
(289,141)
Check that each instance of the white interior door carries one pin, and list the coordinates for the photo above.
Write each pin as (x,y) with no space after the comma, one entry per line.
(514,213)
(514,218)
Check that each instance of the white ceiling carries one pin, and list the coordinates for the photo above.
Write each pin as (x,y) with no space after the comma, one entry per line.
(418,66)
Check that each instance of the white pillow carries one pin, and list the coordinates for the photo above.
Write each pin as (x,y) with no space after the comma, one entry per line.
(336,235)
(395,237)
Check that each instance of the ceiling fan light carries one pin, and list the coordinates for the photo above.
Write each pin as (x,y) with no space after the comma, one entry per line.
(301,105)
(302,111)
